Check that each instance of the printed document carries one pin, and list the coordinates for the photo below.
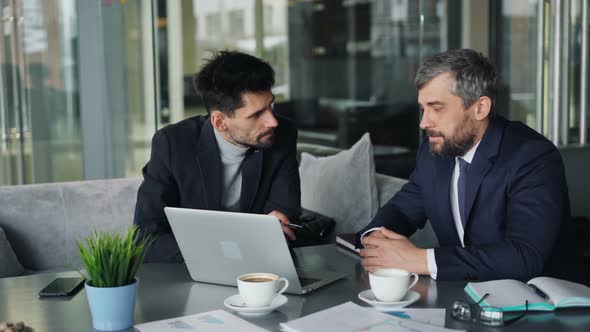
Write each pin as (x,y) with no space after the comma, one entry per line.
(350,317)
(212,321)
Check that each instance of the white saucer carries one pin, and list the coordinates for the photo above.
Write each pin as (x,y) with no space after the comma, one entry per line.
(369,297)
(236,304)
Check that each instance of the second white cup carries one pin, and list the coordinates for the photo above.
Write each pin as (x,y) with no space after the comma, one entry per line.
(259,289)
(391,285)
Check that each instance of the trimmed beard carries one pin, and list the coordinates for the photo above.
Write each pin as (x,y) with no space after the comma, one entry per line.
(260,145)
(457,145)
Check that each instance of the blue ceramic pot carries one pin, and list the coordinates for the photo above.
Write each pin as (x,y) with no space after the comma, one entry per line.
(112,308)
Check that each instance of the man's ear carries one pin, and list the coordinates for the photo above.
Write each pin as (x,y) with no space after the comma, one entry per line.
(483,106)
(218,121)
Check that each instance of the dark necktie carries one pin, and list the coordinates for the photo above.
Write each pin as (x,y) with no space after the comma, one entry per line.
(462,188)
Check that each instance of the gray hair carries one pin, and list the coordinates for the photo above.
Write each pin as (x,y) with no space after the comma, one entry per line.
(475,76)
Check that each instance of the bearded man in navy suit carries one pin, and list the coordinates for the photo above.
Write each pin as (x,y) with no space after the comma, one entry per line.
(493,190)
(240,157)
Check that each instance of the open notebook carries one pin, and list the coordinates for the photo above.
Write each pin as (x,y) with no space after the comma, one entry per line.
(543,294)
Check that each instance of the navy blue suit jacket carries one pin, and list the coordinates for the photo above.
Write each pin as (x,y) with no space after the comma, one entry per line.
(516,199)
(185,170)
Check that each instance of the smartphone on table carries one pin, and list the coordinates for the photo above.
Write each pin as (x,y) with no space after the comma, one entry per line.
(63,287)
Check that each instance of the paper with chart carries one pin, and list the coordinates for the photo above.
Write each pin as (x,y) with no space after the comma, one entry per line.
(426,316)
(350,317)
(212,321)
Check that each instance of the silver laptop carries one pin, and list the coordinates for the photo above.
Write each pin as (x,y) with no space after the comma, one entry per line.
(219,246)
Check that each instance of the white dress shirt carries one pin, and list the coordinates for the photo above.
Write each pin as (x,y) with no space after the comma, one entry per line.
(468,157)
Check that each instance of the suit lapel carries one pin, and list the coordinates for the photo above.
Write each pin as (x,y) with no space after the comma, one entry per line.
(210,166)
(251,173)
(443,178)
(483,160)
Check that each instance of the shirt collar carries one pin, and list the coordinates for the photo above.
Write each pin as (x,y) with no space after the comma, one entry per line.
(468,157)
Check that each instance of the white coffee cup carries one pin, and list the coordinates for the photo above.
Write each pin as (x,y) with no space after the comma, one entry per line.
(391,285)
(259,289)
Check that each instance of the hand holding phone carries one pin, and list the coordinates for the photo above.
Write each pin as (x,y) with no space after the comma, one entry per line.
(63,287)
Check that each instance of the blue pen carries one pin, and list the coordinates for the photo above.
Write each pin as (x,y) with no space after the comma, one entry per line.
(400,314)
(538,291)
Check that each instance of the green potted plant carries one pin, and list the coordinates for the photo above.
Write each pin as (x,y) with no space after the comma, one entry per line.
(111,261)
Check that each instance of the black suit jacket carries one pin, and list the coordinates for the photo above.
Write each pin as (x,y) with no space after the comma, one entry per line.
(185,171)
(516,201)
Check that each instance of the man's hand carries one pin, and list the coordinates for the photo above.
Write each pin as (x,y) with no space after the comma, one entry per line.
(373,234)
(387,249)
(284,222)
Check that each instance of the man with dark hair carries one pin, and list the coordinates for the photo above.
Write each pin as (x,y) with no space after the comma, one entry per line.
(239,157)
(493,190)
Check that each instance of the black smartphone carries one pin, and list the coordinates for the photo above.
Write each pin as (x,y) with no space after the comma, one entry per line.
(63,287)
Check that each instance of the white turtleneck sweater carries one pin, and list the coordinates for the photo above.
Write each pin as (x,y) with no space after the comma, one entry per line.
(231,177)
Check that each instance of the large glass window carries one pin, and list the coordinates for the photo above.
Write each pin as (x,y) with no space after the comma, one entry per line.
(518,60)
(82,101)
(342,67)
(76,100)
(538,51)
(39,113)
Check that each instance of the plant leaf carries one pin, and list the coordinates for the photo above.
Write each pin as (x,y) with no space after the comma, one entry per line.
(112,259)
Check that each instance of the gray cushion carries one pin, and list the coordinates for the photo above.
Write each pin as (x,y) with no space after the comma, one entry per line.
(9,264)
(389,186)
(102,205)
(341,186)
(34,219)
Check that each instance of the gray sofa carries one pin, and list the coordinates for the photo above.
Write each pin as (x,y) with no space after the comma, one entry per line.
(42,222)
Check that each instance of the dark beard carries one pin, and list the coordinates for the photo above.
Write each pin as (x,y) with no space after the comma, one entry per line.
(459,143)
(259,145)
(454,148)
(264,145)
